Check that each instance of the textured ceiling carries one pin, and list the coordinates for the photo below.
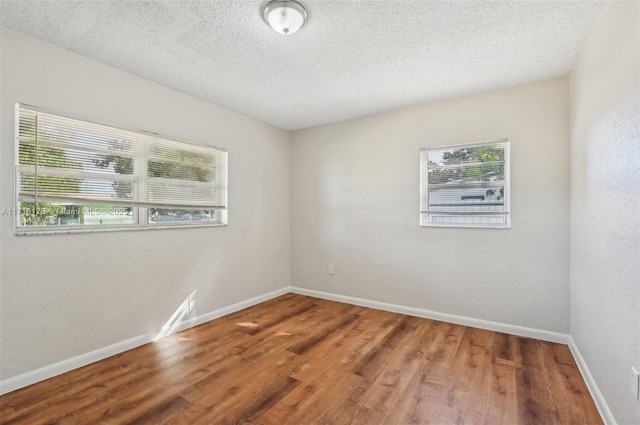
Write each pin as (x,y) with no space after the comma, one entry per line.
(352,58)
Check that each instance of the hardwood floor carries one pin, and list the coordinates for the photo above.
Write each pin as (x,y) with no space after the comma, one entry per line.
(301,360)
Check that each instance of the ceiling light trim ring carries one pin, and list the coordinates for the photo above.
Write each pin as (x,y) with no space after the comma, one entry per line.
(285,16)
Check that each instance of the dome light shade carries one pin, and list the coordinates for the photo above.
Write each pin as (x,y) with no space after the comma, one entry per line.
(285,16)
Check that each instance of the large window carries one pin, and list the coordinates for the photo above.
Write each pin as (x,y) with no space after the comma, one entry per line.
(465,185)
(78,175)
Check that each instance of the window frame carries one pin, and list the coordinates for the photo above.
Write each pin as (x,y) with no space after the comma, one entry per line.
(424,186)
(141,220)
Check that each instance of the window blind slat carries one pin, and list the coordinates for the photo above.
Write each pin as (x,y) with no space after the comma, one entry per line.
(445,186)
(461,213)
(435,166)
(78,174)
(115,202)
(117,150)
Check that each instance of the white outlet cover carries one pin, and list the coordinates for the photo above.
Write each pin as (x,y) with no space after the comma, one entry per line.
(635,383)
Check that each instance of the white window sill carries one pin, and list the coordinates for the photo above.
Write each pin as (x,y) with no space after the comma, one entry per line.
(465,226)
(101,229)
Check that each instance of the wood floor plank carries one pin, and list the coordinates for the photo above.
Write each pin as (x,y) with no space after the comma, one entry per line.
(477,373)
(427,390)
(502,392)
(536,402)
(312,398)
(253,393)
(302,360)
(397,364)
(350,347)
(568,385)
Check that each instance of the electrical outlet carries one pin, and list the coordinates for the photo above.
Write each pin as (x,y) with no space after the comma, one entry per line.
(330,269)
(635,383)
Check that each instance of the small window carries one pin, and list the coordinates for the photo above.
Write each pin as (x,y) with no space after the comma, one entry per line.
(78,175)
(465,185)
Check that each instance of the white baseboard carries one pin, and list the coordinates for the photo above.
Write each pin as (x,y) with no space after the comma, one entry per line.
(597,396)
(444,317)
(206,317)
(46,372)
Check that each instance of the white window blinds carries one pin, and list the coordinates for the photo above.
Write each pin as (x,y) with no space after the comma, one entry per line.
(466,185)
(65,161)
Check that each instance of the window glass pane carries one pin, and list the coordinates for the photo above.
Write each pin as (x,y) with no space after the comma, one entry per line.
(466,174)
(467,199)
(162,192)
(468,154)
(56,214)
(88,189)
(180,171)
(183,216)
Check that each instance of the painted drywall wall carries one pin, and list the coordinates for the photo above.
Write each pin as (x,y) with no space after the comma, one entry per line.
(605,204)
(355,203)
(64,295)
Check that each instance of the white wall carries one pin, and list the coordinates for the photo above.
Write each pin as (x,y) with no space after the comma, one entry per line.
(355,203)
(605,204)
(64,295)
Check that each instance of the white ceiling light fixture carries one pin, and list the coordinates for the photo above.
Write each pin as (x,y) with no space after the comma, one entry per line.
(285,16)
